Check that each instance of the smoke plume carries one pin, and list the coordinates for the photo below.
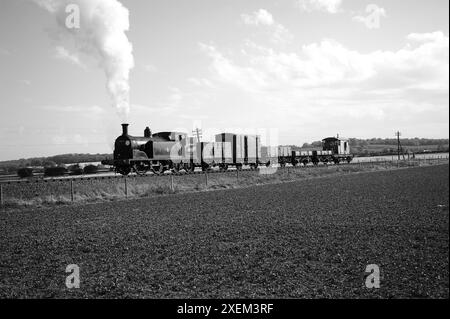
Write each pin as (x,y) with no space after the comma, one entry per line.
(100,35)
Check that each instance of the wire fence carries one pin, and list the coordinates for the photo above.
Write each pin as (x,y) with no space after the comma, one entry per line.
(67,190)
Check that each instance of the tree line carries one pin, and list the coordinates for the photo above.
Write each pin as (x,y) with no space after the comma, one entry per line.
(51,161)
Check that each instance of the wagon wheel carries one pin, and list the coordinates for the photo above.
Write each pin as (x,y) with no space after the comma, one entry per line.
(189,167)
(176,167)
(158,169)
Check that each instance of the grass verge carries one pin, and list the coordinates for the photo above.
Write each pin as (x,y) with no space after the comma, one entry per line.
(19,196)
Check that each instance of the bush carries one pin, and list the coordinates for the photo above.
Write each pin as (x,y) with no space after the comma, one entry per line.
(25,172)
(55,171)
(75,170)
(90,169)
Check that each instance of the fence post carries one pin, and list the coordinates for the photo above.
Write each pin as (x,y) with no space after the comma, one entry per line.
(1,195)
(71,190)
(237,174)
(206,178)
(126,187)
(171,183)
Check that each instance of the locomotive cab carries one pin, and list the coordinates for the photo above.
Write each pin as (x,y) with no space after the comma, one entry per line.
(336,145)
(340,149)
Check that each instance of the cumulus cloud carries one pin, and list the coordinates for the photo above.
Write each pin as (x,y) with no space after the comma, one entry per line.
(437,36)
(329,63)
(330,6)
(260,17)
(329,80)
(373,17)
(201,82)
(278,32)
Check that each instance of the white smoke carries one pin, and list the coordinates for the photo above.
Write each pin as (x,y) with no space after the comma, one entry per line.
(101,35)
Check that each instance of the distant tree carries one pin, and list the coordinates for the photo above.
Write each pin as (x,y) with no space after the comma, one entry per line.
(36,162)
(25,172)
(75,170)
(90,169)
(55,171)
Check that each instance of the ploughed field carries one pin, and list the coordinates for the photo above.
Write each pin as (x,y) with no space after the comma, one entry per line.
(298,239)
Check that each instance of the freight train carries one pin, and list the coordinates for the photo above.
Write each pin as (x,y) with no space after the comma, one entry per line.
(176,151)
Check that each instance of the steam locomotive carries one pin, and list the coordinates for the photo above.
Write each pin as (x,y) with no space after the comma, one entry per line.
(176,151)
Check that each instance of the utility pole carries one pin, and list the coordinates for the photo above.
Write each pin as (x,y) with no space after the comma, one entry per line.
(398,134)
(198,133)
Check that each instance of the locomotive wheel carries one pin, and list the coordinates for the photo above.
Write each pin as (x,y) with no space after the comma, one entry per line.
(140,169)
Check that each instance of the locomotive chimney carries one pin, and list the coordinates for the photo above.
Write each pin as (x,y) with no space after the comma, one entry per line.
(124,129)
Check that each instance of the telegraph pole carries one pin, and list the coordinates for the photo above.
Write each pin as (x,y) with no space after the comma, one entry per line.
(198,133)
(398,134)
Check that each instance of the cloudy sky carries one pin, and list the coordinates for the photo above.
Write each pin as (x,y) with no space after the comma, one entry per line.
(303,68)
